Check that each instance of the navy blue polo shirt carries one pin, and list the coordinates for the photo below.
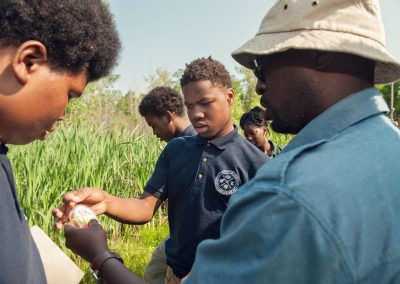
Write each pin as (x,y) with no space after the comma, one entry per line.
(20,259)
(197,177)
(189,131)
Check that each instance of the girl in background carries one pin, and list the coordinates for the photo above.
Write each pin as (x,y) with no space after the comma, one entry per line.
(255,129)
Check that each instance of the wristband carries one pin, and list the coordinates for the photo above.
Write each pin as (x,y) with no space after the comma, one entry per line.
(99,260)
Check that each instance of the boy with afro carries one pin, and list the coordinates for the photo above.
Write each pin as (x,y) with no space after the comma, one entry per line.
(196,174)
(49,51)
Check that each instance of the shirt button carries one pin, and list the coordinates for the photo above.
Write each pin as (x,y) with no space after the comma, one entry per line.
(204,159)
(200,176)
(208,144)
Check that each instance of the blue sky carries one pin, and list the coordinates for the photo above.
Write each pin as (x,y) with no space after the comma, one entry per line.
(168,34)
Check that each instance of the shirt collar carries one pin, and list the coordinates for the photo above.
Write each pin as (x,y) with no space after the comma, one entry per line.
(341,115)
(3,149)
(188,131)
(220,142)
(275,149)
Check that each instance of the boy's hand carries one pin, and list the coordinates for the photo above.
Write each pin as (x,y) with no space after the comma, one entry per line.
(87,242)
(89,196)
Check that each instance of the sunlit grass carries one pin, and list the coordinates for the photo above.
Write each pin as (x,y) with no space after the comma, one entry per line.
(84,155)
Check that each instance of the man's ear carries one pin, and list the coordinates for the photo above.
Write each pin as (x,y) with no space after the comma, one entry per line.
(29,56)
(231,96)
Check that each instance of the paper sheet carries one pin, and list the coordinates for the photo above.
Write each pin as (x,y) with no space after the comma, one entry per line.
(59,268)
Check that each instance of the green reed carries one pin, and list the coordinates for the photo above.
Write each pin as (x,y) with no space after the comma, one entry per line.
(81,155)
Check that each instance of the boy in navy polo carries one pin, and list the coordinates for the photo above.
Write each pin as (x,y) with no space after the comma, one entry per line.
(164,111)
(196,174)
(49,51)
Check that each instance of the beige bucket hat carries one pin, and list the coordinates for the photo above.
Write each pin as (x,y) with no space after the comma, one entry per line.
(348,26)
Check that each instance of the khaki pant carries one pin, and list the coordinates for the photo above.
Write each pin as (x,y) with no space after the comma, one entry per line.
(156,270)
(171,278)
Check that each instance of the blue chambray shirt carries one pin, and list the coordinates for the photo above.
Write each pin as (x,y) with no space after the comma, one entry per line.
(326,210)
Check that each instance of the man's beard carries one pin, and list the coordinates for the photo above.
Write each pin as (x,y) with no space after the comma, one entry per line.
(289,124)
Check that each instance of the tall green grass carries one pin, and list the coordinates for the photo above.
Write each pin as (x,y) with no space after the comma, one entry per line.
(119,162)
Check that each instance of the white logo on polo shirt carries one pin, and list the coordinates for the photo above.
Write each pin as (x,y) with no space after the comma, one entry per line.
(227,182)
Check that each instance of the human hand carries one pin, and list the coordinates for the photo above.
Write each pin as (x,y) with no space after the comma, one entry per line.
(87,242)
(89,196)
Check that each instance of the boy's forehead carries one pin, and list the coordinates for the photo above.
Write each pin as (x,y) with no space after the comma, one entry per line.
(201,89)
(198,85)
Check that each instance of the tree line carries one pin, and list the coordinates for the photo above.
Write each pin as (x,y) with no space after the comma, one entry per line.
(102,103)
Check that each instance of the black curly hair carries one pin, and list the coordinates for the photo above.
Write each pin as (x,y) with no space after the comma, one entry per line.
(254,116)
(206,69)
(78,34)
(160,100)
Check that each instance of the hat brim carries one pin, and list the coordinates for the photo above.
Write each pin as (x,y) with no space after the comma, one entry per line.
(387,69)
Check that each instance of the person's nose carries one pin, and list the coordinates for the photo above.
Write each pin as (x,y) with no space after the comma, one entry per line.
(197,114)
(261,87)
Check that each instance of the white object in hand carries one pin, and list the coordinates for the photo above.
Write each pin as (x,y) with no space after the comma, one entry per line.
(81,215)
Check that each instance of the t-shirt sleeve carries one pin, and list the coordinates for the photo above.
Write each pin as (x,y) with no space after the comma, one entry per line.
(157,184)
(267,238)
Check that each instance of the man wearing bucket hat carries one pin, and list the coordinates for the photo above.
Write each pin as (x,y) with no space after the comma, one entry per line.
(315,214)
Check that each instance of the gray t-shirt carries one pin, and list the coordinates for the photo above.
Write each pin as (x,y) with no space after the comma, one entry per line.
(20,259)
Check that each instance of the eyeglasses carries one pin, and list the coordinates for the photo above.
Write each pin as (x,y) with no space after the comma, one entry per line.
(258,71)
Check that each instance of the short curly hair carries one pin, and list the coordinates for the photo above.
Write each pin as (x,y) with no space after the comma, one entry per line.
(78,34)
(203,69)
(160,100)
(254,116)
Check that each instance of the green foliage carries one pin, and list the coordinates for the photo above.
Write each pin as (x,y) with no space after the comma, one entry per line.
(88,155)
(77,156)
(97,102)
(385,90)
(103,105)
(176,80)
(135,248)
(237,108)
(247,88)
(128,104)
(281,139)
(160,77)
